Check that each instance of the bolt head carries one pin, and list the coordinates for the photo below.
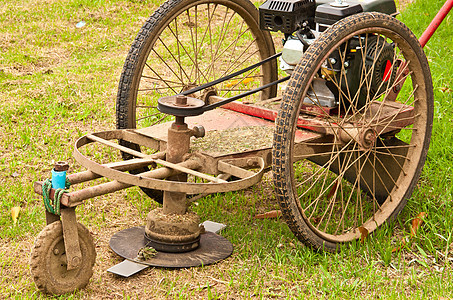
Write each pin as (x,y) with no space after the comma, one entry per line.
(76,261)
(368,138)
(61,166)
(198,131)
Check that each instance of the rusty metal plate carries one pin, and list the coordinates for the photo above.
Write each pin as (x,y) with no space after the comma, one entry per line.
(228,132)
(127,268)
(213,248)
(213,120)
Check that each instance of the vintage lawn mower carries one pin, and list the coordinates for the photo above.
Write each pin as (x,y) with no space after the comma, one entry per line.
(198,112)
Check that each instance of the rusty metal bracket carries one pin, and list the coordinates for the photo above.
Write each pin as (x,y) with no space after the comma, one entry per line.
(148,180)
(51,218)
(71,238)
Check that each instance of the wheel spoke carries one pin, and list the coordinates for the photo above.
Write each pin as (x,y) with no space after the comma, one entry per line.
(396,114)
(156,78)
(221,36)
(342,170)
(157,74)
(145,106)
(235,64)
(178,61)
(149,116)
(340,176)
(195,64)
(327,165)
(234,42)
(161,88)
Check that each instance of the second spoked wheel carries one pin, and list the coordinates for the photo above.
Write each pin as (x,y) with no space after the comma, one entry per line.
(187,43)
(365,162)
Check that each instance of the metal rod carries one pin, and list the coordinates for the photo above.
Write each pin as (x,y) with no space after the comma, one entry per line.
(231,99)
(126,165)
(116,146)
(75,198)
(436,22)
(168,164)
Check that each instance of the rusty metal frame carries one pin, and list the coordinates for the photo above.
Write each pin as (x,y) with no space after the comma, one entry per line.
(149,181)
(197,164)
(71,238)
(154,179)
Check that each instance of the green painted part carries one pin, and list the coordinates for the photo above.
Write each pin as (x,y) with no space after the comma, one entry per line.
(53,206)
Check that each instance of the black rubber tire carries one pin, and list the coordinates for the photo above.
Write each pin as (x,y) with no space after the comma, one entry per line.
(150,35)
(307,228)
(47,264)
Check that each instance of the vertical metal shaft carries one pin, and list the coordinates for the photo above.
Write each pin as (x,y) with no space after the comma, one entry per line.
(177,146)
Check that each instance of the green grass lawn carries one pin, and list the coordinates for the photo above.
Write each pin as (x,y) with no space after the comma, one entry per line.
(58,82)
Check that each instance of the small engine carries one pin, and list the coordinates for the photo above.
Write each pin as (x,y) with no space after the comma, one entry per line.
(286,15)
(302,21)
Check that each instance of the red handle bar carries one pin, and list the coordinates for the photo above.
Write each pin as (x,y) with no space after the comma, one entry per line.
(436,22)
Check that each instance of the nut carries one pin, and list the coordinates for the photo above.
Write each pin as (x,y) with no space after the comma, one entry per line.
(61,166)
(181,100)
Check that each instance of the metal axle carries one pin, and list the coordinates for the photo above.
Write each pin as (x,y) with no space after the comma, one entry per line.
(174,228)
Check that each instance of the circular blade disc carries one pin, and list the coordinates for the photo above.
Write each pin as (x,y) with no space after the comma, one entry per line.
(213,248)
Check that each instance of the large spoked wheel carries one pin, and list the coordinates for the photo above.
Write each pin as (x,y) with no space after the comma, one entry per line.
(48,261)
(185,44)
(368,155)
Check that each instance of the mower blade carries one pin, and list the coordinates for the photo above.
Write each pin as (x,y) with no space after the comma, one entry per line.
(128,268)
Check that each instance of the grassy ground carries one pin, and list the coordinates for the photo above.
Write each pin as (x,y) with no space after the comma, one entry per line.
(58,82)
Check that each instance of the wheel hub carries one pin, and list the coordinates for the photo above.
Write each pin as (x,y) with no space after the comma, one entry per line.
(365,137)
(207,93)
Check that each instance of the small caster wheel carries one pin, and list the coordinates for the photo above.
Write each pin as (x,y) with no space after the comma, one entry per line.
(48,261)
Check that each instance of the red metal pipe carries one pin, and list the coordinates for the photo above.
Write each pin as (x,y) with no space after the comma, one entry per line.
(436,22)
